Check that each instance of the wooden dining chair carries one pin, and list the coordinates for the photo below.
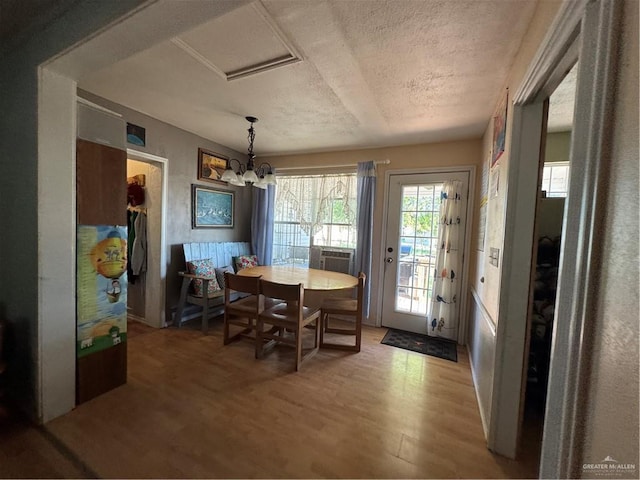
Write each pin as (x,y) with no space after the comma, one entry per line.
(344,307)
(243,312)
(288,319)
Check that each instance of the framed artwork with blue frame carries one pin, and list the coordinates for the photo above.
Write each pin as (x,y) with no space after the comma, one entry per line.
(211,208)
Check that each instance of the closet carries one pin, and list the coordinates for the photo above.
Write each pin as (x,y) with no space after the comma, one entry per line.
(137,242)
(549,227)
(147,286)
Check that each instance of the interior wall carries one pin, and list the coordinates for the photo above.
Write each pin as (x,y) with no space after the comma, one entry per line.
(79,37)
(489,289)
(411,157)
(57,380)
(485,279)
(558,147)
(32,286)
(609,414)
(181,148)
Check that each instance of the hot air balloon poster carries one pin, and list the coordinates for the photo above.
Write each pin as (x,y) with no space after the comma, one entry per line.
(101,287)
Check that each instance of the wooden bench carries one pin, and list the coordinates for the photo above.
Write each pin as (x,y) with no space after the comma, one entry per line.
(221,254)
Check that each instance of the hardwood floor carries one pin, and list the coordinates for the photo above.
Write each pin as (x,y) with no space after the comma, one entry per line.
(193,408)
(30,452)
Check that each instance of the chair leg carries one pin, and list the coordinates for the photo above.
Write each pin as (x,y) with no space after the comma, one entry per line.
(356,332)
(259,345)
(318,332)
(323,324)
(205,306)
(183,299)
(225,335)
(298,334)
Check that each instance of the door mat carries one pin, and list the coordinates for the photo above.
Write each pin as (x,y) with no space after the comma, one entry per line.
(436,347)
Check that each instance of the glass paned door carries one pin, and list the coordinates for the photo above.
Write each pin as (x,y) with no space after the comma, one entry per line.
(419,216)
(413,217)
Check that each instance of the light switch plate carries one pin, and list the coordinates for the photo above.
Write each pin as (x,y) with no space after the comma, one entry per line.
(494,256)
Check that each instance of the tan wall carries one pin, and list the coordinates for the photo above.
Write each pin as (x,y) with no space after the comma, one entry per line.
(181,149)
(489,290)
(425,156)
(558,147)
(610,411)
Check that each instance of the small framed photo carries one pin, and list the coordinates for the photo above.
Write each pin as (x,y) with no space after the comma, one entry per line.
(211,166)
(136,135)
(211,208)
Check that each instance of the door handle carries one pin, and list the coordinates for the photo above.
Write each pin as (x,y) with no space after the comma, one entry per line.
(388,260)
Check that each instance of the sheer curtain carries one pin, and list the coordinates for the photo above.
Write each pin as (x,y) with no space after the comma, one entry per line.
(443,318)
(262,216)
(366,198)
(311,201)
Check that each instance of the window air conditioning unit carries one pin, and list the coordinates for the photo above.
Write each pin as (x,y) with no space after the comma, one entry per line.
(333,259)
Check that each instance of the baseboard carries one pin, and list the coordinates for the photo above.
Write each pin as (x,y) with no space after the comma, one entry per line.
(137,318)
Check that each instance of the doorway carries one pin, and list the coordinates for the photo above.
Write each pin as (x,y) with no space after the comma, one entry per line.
(147,290)
(553,183)
(411,246)
(588,32)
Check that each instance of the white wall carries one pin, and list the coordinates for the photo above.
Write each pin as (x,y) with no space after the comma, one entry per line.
(482,331)
(57,384)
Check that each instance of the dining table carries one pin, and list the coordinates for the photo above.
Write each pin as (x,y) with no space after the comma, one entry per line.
(317,284)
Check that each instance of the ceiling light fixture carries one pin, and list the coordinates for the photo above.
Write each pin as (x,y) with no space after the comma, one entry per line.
(258,177)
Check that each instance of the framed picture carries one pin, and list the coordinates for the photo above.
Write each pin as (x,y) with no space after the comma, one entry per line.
(211,208)
(211,166)
(499,130)
(136,135)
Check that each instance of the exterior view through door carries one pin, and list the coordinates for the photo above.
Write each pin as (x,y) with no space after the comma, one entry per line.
(412,245)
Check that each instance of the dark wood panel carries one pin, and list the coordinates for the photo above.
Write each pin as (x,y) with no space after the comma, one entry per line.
(101,184)
(101,187)
(100,372)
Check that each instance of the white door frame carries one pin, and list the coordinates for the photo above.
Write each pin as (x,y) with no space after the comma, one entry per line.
(156,276)
(464,287)
(584,30)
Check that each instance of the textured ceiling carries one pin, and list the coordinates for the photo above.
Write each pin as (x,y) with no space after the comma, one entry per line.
(373,72)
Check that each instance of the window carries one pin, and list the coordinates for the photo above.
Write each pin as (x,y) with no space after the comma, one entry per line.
(555,179)
(313,210)
(419,222)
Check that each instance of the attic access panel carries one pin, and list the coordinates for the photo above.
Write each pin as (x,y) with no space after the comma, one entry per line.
(241,43)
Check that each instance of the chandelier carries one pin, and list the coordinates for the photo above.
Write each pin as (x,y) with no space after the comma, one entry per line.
(259,177)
